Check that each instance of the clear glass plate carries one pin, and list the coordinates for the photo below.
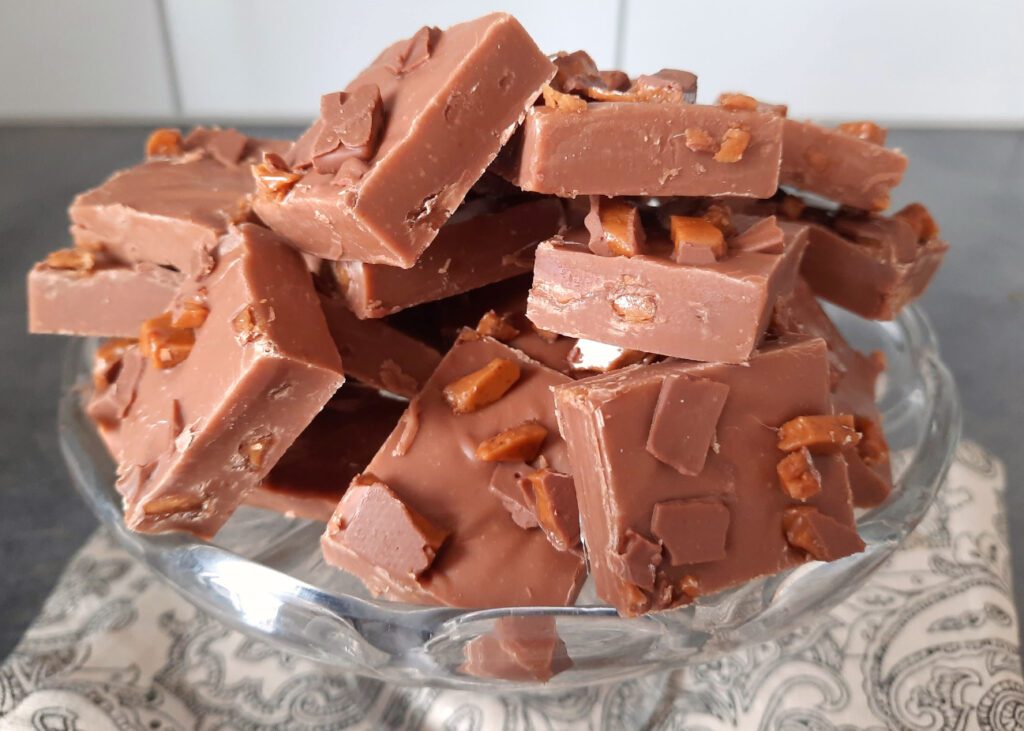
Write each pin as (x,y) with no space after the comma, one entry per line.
(264,576)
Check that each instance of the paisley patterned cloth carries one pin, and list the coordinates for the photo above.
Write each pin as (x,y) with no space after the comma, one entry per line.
(930,642)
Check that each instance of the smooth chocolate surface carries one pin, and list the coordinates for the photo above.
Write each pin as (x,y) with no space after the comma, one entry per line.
(716,311)
(198,436)
(107,300)
(171,210)
(839,166)
(470,251)
(377,354)
(430,464)
(448,101)
(642,148)
(657,536)
(853,377)
(313,474)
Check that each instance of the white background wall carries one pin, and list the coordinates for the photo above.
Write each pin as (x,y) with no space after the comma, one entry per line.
(915,62)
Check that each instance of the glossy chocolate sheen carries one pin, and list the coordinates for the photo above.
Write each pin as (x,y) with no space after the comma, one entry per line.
(873,268)
(853,378)
(628,495)
(377,354)
(110,300)
(708,312)
(203,433)
(468,253)
(639,148)
(165,211)
(445,118)
(313,474)
(839,166)
(430,463)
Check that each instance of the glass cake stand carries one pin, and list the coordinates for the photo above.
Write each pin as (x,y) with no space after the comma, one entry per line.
(264,575)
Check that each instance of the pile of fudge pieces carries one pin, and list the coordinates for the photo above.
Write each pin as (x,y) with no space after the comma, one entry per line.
(501,320)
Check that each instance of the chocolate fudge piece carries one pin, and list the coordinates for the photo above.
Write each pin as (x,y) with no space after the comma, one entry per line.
(219,393)
(646,140)
(476,248)
(873,265)
(81,292)
(429,469)
(389,160)
(665,518)
(849,165)
(853,377)
(172,209)
(708,308)
(313,474)
(376,353)
(518,649)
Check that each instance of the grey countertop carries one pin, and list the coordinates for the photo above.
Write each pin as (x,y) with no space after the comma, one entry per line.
(973,180)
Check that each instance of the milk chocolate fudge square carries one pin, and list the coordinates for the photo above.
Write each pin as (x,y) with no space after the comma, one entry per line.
(682,485)
(83,292)
(849,164)
(392,156)
(172,209)
(690,293)
(226,384)
(869,263)
(645,137)
(853,378)
(448,539)
(874,265)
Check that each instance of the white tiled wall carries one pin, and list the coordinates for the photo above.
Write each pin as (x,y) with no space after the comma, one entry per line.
(82,59)
(269,58)
(898,60)
(910,61)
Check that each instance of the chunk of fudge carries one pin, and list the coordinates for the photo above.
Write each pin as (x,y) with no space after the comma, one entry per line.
(376,353)
(617,148)
(853,376)
(873,265)
(459,545)
(518,649)
(172,209)
(82,292)
(677,469)
(481,244)
(598,132)
(697,299)
(391,157)
(313,474)
(849,164)
(218,392)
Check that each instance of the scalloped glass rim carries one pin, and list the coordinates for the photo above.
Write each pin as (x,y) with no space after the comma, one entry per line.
(424,645)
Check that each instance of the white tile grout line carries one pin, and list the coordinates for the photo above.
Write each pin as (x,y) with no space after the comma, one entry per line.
(168,53)
(620,33)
